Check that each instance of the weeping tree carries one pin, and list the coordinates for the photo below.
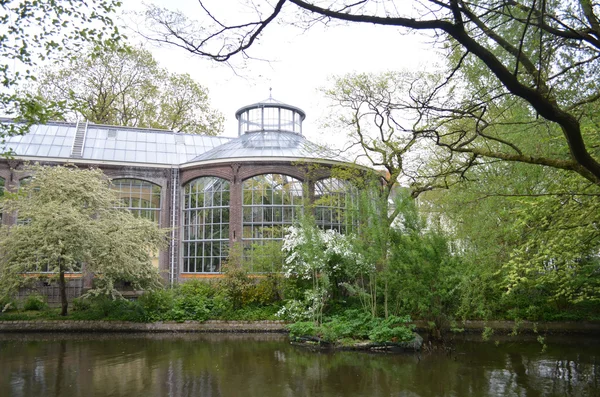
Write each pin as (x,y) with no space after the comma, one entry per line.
(69,217)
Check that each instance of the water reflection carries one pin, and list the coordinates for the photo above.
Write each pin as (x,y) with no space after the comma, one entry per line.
(266,365)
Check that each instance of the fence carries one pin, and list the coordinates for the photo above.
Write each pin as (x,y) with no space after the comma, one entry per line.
(50,290)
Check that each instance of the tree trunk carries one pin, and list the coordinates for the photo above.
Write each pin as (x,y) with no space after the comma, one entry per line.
(62,286)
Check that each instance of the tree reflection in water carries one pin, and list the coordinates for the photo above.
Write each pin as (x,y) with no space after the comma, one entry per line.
(266,365)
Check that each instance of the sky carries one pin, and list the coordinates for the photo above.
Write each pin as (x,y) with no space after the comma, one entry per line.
(300,62)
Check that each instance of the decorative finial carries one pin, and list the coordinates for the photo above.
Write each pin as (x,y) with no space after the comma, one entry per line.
(270,92)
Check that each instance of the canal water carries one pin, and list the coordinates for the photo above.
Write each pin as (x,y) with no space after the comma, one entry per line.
(264,365)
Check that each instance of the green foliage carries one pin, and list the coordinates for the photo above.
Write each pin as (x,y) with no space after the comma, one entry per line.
(199,301)
(72,217)
(355,325)
(125,86)
(156,305)
(7,304)
(391,329)
(266,257)
(302,328)
(487,333)
(105,308)
(35,302)
(62,28)
(423,274)
(236,285)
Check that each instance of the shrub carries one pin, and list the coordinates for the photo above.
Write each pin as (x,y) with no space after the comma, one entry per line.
(81,304)
(391,329)
(190,307)
(354,324)
(105,308)
(265,292)
(302,328)
(156,305)
(237,286)
(35,302)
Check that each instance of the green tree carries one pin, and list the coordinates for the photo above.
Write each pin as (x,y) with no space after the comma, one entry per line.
(529,242)
(544,54)
(71,217)
(126,86)
(36,31)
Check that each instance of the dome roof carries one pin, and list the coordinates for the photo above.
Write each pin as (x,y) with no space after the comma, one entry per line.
(268,145)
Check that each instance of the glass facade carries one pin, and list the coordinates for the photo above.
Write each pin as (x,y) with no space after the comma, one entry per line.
(336,204)
(205,224)
(140,197)
(271,202)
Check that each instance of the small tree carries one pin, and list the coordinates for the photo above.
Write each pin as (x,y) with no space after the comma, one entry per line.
(69,217)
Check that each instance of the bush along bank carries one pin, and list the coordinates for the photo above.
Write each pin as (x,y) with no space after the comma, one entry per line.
(235,297)
(357,330)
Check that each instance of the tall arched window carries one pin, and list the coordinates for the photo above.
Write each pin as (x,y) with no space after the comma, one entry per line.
(336,204)
(205,224)
(140,197)
(271,202)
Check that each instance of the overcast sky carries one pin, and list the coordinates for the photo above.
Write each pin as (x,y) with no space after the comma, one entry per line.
(301,62)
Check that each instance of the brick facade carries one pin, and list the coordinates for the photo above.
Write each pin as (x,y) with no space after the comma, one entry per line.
(235,172)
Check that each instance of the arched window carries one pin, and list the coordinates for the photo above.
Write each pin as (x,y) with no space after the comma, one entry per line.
(205,224)
(271,202)
(140,197)
(336,204)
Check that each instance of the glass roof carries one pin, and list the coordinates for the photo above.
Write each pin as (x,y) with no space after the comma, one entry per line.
(108,143)
(50,140)
(270,144)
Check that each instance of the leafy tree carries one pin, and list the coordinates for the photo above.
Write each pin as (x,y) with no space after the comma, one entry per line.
(542,54)
(35,31)
(71,217)
(125,86)
(529,242)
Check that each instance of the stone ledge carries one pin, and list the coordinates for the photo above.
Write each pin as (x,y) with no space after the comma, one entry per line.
(271,326)
(124,326)
(504,327)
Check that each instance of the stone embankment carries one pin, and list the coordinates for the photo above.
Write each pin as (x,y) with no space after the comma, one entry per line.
(276,326)
(557,327)
(124,326)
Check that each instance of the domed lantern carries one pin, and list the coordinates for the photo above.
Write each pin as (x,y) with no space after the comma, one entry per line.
(270,115)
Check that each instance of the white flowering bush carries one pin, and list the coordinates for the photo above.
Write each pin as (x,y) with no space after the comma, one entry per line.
(325,257)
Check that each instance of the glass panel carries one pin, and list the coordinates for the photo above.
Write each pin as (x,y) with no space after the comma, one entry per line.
(336,205)
(254,120)
(205,224)
(270,203)
(271,118)
(140,197)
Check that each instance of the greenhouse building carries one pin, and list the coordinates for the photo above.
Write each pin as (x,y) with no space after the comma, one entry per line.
(213,192)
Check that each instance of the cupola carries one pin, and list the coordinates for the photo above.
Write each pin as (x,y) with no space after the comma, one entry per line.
(269,115)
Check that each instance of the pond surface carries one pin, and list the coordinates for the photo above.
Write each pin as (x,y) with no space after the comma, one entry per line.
(267,365)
